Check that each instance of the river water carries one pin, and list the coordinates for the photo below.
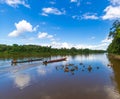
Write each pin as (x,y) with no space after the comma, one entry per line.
(79,77)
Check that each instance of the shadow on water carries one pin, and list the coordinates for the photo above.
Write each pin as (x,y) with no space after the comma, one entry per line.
(116,69)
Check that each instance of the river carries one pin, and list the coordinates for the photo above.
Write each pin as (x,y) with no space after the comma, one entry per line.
(79,77)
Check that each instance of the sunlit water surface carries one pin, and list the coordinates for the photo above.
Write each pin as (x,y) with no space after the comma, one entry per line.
(79,77)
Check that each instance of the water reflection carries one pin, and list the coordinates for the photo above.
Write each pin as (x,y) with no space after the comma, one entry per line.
(80,77)
(22,80)
(116,69)
(41,71)
(111,92)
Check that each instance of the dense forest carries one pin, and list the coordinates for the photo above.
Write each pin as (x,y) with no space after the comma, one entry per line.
(114,47)
(35,50)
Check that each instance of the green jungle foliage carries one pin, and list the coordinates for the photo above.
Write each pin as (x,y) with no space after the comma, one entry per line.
(114,47)
(35,50)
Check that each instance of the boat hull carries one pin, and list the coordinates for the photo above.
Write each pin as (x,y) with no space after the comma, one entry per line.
(31,60)
(52,61)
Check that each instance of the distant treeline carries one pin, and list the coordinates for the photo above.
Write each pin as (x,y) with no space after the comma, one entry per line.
(35,50)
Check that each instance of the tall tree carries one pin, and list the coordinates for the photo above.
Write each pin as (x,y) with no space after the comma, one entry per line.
(114,47)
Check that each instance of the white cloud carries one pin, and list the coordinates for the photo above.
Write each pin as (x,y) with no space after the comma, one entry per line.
(50,36)
(55,44)
(15,3)
(112,12)
(22,27)
(86,16)
(54,11)
(90,16)
(100,46)
(43,35)
(31,39)
(44,14)
(73,0)
(115,2)
(107,40)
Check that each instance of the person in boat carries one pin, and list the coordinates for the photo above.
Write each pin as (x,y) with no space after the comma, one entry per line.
(14,61)
(30,60)
(45,62)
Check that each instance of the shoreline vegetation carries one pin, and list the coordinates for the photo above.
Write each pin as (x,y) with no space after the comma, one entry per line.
(114,34)
(114,48)
(15,50)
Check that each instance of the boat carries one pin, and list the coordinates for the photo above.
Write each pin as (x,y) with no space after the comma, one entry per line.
(23,61)
(57,60)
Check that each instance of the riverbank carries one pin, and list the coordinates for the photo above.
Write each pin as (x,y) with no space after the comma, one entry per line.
(114,56)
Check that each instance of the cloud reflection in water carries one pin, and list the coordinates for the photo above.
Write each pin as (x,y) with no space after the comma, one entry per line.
(112,93)
(22,80)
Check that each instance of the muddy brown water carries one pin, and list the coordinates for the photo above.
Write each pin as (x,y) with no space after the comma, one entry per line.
(79,77)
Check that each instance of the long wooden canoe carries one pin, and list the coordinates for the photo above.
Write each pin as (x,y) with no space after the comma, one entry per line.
(23,61)
(57,60)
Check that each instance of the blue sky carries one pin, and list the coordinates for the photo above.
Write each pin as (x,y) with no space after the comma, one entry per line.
(58,23)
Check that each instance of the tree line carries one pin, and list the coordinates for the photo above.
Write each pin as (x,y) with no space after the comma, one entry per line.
(35,50)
